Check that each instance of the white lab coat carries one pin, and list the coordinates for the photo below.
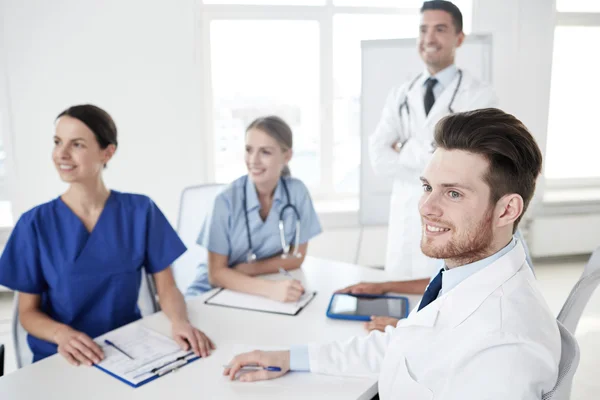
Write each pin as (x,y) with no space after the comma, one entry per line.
(404,257)
(490,337)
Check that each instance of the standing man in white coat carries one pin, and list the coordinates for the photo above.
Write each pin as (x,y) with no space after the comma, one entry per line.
(402,142)
(482,329)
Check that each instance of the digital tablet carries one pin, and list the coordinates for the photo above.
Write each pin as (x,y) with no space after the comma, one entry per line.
(361,307)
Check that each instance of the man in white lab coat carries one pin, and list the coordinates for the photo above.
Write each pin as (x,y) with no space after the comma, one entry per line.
(482,329)
(400,146)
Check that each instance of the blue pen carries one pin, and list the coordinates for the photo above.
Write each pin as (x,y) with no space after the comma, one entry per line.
(257,368)
(108,342)
(285,272)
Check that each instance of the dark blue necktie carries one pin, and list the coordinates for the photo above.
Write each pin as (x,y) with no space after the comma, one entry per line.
(429,96)
(432,291)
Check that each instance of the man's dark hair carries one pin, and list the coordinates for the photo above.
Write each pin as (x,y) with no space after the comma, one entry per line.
(447,6)
(515,160)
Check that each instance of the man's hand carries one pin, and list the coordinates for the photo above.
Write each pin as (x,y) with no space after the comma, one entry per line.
(364,288)
(380,323)
(279,359)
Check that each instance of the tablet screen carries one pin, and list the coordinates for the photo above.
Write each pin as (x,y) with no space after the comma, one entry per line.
(345,304)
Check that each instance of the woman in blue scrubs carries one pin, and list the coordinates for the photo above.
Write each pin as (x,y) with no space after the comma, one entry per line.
(76,260)
(242,235)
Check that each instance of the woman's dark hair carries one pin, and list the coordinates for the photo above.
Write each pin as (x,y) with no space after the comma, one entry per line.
(447,6)
(279,130)
(515,160)
(98,120)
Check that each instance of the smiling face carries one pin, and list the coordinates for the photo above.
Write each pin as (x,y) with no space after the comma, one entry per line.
(77,155)
(456,212)
(264,157)
(438,40)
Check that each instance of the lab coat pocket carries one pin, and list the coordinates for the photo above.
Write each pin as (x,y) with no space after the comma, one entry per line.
(401,383)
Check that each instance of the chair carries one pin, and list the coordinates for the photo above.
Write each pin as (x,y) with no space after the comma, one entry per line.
(567,319)
(146,302)
(580,294)
(1,360)
(196,203)
(569,360)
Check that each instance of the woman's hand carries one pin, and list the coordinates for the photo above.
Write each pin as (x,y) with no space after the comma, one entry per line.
(286,291)
(77,347)
(186,335)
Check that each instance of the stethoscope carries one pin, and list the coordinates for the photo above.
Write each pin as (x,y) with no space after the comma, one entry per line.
(404,104)
(285,246)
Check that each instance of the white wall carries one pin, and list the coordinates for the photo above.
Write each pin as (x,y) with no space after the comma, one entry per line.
(136,59)
(523,34)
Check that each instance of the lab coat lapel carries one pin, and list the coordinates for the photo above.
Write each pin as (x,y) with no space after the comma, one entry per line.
(427,317)
(440,107)
(417,105)
(455,306)
(466,297)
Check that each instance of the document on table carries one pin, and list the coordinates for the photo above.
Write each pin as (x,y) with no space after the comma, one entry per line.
(229,298)
(152,355)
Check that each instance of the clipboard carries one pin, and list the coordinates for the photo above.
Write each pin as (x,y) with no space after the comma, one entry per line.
(243,301)
(153,355)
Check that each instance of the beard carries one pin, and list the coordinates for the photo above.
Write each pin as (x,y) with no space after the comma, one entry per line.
(470,245)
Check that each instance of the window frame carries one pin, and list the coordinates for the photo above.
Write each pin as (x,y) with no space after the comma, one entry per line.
(574,19)
(7,181)
(324,16)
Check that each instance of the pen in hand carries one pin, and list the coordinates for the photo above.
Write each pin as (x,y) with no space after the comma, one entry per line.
(285,272)
(257,368)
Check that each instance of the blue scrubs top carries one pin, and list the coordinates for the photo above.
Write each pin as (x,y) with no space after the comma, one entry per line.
(224,230)
(89,281)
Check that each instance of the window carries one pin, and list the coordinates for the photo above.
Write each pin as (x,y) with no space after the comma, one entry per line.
(6,218)
(280,76)
(578,5)
(269,2)
(348,32)
(573,133)
(299,59)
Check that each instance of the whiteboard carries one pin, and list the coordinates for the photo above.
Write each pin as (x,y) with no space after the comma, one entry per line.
(387,64)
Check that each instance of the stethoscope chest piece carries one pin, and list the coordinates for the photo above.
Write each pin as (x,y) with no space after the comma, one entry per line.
(251,257)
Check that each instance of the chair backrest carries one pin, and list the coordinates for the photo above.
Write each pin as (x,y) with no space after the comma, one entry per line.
(569,360)
(23,353)
(146,302)
(148,298)
(195,205)
(1,360)
(580,294)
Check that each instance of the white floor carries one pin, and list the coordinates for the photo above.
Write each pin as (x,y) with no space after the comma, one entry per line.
(556,280)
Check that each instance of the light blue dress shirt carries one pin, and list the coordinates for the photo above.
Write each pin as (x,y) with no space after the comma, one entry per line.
(444,79)
(452,277)
(299,359)
(224,231)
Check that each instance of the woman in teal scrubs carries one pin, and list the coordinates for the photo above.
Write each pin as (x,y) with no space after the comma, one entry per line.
(243,234)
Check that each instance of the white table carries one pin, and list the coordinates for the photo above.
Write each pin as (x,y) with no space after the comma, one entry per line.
(232,330)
